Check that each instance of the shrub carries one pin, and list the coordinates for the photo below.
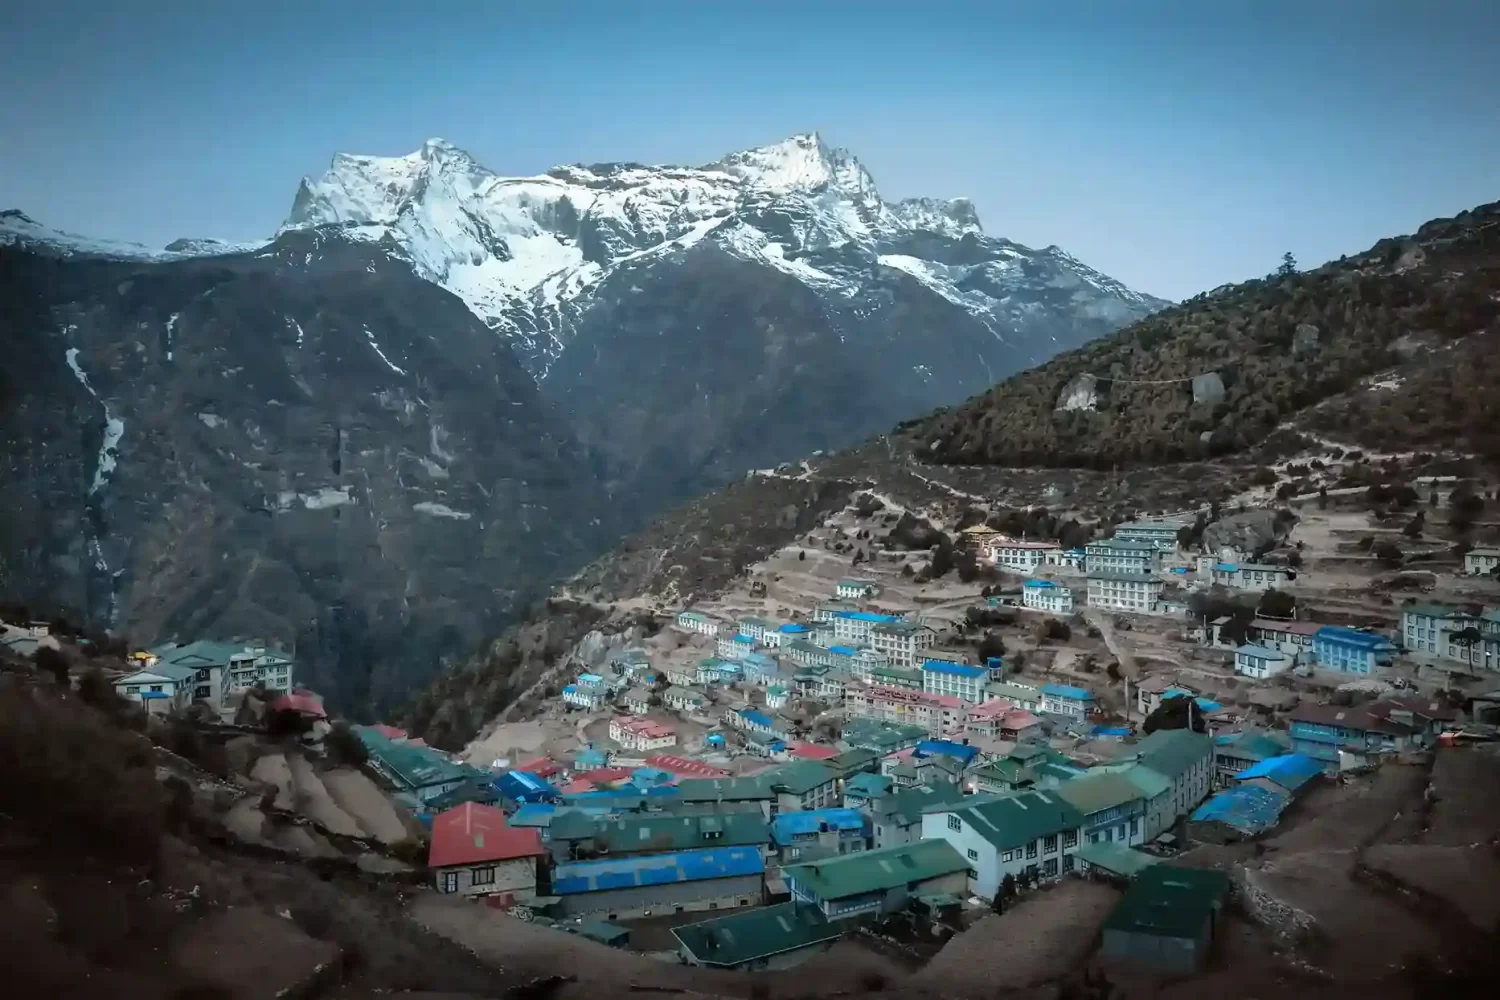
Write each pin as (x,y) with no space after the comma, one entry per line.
(344,747)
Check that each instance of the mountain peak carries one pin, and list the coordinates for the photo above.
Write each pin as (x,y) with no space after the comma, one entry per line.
(800,163)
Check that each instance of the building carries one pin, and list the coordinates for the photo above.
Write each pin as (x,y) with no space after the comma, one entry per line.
(755,627)
(901,642)
(1260,662)
(1029,832)
(1044,595)
(897,677)
(856,590)
(776,697)
(1023,557)
(1027,765)
(582,696)
(1250,576)
(637,701)
(474,852)
(733,647)
(896,817)
(160,689)
(1351,651)
(1234,752)
(1113,861)
(1168,919)
(1020,695)
(716,670)
(667,832)
(1424,626)
(1112,806)
(879,881)
(1119,590)
(1481,561)
(1185,759)
(878,737)
(629,662)
(642,734)
(998,719)
(801,785)
(240,667)
(697,621)
(819,833)
(684,699)
(655,884)
(854,626)
(1162,534)
(1295,639)
(1343,737)
(1118,555)
(771,937)
(419,771)
(936,714)
(1467,636)
(960,680)
(1064,699)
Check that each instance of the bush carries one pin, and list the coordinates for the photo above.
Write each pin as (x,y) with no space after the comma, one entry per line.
(1055,628)
(344,747)
(1389,553)
(52,661)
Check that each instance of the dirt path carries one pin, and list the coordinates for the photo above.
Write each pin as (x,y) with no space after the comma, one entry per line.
(273,770)
(357,796)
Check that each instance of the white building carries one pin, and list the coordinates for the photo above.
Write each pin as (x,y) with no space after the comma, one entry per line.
(1119,591)
(1023,557)
(221,668)
(642,734)
(856,590)
(1032,831)
(853,627)
(756,628)
(581,696)
(958,679)
(1481,562)
(902,643)
(1290,637)
(1116,555)
(1260,662)
(1044,595)
(735,647)
(1250,576)
(697,621)
(160,689)
(1162,534)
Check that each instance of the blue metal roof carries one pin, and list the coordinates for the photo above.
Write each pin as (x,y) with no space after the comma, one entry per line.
(1246,808)
(957,669)
(792,627)
(947,748)
(742,638)
(1227,567)
(590,679)
(795,824)
(655,869)
(520,785)
(1039,583)
(1067,691)
(533,814)
(864,616)
(1291,771)
(1350,637)
(571,689)
(759,718)
(842,650)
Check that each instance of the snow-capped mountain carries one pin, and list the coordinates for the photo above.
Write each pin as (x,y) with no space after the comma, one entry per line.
(19,230)
(528,253)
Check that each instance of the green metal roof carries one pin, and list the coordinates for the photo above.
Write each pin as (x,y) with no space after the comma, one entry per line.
(867,785)
(728,789)
(1173,752)
(1094,793)
(1020,818)
(1150,782)
(878,870)
(907,804)
(749,935)
(643,833)
(799,777)
(1170,902)
(416,767)
(1117,858)
(852,761)
(898,673)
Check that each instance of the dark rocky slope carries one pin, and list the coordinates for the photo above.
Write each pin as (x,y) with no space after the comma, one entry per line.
(305,444)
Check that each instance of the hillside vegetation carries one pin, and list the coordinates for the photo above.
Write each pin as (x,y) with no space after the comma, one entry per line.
(1277,346)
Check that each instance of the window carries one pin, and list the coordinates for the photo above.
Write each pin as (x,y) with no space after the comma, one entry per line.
(482,876)
(1135,827)
(1067,864)
(1070,838)
(954,823)
(1008,856)
(155,689)
(973,874)
(132,689)
(1031,850)
(1049,868)
(1051,843)
(973,854)
(450,881)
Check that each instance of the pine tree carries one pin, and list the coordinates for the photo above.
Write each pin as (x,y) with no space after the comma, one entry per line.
(1288,265)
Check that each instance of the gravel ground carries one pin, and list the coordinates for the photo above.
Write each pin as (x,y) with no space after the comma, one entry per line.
(273,770)
(1044,936)
(1465,808)
(1342,816)
(1467,879)
(357,795)
(314,802)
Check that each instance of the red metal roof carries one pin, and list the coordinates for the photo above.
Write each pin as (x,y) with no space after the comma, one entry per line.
(389,732)
(813,751)
(603,775)
(578,786)
(300,701)
(540,766)
(473,833)
(685,767)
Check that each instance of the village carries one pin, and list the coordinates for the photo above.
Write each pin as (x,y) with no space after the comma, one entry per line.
(833,751)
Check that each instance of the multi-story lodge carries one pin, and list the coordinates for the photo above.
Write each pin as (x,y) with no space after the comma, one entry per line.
(1116,555)
(1250,576)
(1123,591)
(1044,595)
(902,642)
(958,679)
(1162,534)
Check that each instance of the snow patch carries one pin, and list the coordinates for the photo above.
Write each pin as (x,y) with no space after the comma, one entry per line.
(211,420)
(171,331)
(298,327)
(114,429)
(440,510)
(371,338)
(323,499)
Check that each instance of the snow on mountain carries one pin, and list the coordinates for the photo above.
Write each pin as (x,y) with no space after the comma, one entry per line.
(19,230)
(526,252)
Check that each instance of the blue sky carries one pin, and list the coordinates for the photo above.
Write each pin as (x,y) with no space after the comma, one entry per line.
(1174,145)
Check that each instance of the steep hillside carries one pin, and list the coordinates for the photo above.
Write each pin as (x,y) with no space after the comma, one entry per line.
(1219,373)
(305,444)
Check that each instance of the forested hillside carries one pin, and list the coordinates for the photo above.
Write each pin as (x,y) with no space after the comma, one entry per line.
(1221,371)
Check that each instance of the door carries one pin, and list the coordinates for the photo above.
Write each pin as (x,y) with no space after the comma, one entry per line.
(450,881)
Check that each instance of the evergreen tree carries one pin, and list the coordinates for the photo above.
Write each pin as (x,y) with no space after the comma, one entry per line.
(1288,265)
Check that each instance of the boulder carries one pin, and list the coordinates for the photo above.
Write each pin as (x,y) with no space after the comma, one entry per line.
(1305,340)
(1208,388)
(1409,345)
(1081,393)
(1245,532)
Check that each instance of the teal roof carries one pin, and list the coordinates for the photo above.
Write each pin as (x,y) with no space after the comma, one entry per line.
(1116,858)
(725,789)
(415,767)
(1148,781)
(1094,793)
(645,833)
(867,785)
(1172,752)
(1167,901)
(799,777)
(906,804)
(878,870)
(1014,820)
(749,935)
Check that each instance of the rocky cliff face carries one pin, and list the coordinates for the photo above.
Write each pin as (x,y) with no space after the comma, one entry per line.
(305,443)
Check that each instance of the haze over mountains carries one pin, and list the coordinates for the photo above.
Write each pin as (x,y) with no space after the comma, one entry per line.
(312,441)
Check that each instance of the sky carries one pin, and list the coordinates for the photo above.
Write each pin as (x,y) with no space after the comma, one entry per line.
(1174,145)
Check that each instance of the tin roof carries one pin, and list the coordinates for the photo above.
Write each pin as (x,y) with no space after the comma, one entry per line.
(579,877)
(472,833)
(877,870)
(1168,901)
(747,935)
